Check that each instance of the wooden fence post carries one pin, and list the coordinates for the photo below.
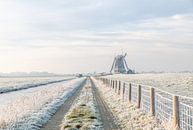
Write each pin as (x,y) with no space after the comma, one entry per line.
(152,101)
(107,82)
(115,86)
(130,91)
(111,83)
(139,97)
(176,124)
(123,92)
(119,88)
(117,91)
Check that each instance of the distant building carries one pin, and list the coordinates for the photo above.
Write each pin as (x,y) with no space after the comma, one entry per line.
(79,75)
(120,65)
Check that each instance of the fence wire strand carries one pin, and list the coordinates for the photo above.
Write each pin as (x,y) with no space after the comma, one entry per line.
(126,94)
(145,96)
(185,115)
(134,94)
(163,108)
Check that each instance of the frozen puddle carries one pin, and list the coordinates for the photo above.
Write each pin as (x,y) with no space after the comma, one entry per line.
(31,108)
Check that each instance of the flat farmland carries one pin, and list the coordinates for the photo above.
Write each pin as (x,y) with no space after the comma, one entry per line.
(175,83)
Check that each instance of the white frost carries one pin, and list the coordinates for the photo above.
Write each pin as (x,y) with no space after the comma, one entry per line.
(127,115)
(31,108)
(176,83)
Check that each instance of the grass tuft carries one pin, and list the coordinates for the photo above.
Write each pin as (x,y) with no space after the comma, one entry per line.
(80,117)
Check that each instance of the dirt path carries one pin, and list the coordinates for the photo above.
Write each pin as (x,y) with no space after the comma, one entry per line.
(55,122)
(105,113)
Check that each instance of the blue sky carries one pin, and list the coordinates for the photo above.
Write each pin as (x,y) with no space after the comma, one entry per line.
(68,36)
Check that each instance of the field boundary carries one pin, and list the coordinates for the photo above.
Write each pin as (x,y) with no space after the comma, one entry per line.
(23,87)
(166,107)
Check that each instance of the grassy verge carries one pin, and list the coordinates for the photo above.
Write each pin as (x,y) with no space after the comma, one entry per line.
(80,118)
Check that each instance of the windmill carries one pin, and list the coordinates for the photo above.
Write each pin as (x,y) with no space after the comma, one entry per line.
(120,65)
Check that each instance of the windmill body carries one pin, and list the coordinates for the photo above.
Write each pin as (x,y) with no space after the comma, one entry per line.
(120,65)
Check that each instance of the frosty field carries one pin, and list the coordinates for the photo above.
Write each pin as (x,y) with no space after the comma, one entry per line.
(176,83)
(8,84)
(30,108)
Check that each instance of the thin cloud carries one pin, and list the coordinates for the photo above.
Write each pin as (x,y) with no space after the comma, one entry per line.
(47,33)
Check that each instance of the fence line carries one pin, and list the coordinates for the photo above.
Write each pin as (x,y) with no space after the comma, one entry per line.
(165,106)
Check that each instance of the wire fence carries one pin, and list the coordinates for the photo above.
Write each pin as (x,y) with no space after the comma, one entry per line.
(145,96)
(126,93)
(163,107)
(166,107)
(186,113)
(134,94)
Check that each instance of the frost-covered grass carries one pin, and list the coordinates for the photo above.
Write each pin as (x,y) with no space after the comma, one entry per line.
(80,117)
(31,108)
(127,115)
(13,84)
(84,114)
(176,83)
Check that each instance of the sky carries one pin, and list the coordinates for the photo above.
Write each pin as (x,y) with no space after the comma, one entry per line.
(75,36)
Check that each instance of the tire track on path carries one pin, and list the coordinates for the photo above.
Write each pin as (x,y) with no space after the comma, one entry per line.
(55,122)
(105,113)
